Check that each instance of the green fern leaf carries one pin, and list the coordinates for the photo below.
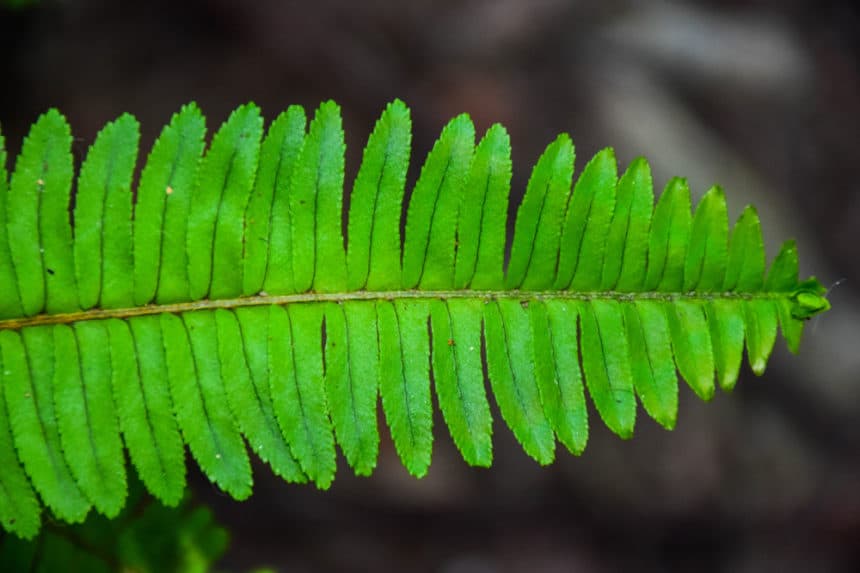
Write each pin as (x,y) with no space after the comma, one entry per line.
(19,508)
(559,377)
(404,357)
(351,380)
(268,243)
(456,326)
(431,220)
(161,210)
(535,249)
(221,304)
(102,252)
(10,298)
(39,234)
(509,363)
(298,393)
(82,392)
(373,252)
(586,224)
(144,407)
(481,225)
(243,351)
(626,246)
(28,369)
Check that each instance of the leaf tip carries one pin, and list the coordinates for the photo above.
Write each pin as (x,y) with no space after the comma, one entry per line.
(667,421)
(809,299)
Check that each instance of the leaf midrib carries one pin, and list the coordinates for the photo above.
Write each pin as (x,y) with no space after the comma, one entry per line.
(390,295)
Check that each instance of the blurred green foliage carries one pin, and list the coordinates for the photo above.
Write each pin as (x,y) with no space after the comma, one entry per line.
(147,537)
(17,4)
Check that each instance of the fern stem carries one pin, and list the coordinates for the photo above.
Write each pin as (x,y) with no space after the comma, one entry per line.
(315,297)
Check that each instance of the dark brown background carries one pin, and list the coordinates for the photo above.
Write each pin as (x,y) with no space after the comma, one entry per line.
(762,97)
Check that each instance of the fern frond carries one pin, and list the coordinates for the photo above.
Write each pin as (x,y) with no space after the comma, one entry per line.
(221,304)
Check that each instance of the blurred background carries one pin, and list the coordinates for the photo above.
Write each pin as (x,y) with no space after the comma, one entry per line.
(760,96)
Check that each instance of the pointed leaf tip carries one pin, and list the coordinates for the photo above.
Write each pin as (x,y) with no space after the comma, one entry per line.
(809,299)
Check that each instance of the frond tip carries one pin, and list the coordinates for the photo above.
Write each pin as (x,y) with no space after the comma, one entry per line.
(195,313)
